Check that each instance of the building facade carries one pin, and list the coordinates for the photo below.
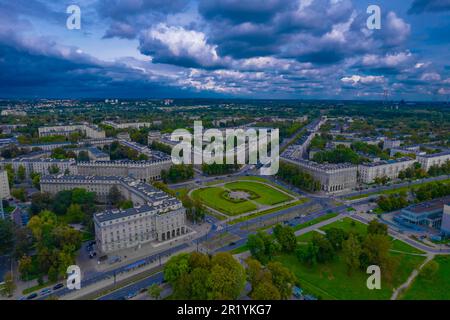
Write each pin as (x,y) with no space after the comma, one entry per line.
(155,217)
(41,165)
(332,177)
(91,131)
(140,170)
(368,172)
(445,226)
(437,159)
(4,185)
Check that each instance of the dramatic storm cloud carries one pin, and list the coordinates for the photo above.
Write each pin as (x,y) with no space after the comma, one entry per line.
(225,48)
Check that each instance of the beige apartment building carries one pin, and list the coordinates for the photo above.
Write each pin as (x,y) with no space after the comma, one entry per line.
(368,172)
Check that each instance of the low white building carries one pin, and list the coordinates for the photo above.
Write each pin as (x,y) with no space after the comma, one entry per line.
(91,131)
(437,159)
(368,172)
(4,185)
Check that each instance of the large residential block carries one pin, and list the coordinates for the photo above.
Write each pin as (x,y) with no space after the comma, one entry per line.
(155,217)
(437,159)
(89,130)
(4,185)
(332,177)
(368,172)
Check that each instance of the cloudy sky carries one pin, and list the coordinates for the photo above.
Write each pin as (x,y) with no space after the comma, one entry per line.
(225,48)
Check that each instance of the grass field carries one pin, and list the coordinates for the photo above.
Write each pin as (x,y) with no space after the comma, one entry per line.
(212,198)
(331,280)
(347,224)
(268,211)
(437,288)
(404,247)
(266,196)
(314,221)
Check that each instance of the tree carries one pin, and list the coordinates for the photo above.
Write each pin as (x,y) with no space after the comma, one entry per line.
(282,278)
(375,251)
(74,214)
(265,290)
(21,173)
(114,196)
(286,237)
(227,277)
(19,194)
(351,251)
(36,180)
(376,227)
(262,246)
(9,286)
(325,250)
(40,201)
(53,169)
(154,291)
(175,267)
(25,266)
(336,237)
(6,237)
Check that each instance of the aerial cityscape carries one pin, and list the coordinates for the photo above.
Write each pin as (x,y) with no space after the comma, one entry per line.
(224,150)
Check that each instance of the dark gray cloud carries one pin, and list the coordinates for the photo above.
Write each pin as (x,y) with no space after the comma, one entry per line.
(420,6)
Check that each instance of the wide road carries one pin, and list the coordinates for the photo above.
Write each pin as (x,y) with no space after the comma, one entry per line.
(99,276)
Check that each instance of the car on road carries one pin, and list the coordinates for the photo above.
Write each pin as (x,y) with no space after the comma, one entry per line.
(131,295)
(45,291)
(32,296)
(58,286)
(232,244)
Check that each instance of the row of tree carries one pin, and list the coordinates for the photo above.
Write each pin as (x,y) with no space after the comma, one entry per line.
(432,191)
(392,202)
(177,173)
(341,154)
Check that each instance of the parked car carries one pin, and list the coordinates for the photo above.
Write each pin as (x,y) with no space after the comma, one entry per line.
(58,286)
(32,296)
(45,291)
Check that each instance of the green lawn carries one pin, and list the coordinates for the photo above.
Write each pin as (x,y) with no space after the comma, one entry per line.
(268,211)
(347,224)
(306,237)
(404,247)
(212,198)
(331,281)
(314,221)
(437,288)
(267,195)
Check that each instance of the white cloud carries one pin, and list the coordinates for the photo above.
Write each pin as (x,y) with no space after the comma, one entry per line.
(355,79)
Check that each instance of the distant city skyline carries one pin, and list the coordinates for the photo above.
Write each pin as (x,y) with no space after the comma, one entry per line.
(243,49)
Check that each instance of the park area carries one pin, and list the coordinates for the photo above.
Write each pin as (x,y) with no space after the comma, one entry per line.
(239,197)
(331,280)
(436,287)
